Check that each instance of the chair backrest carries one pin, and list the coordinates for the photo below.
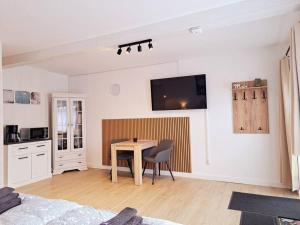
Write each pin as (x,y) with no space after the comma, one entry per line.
(114,141)
(165,144)
(164,150)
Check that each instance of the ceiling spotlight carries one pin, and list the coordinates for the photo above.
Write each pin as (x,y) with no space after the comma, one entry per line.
(150,46)
(128,50)
(139,48)
(196,30)
(119,52)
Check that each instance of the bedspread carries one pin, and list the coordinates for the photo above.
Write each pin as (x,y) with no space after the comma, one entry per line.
(35,210)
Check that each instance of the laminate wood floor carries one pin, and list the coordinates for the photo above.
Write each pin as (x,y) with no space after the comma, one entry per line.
(187,201)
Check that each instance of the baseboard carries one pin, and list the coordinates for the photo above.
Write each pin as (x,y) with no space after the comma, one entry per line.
(93,165)
(20,184)
(239,180)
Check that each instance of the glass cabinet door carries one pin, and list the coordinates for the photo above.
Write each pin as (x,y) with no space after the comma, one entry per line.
(62,124)
(77,124)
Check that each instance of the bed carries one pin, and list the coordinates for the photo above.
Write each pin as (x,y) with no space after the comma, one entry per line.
(40,211)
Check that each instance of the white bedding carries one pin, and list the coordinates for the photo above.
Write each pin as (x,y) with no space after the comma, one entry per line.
(40,211)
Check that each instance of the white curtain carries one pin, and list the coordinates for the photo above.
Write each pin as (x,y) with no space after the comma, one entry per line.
(290,79)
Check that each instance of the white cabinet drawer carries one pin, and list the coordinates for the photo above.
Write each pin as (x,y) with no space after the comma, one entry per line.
(20,168)
(20,149)
(69,164)
(40,147)
(39,165)
(72,156)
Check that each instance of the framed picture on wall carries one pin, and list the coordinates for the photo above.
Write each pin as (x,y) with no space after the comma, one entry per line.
(8,96)
(22,97)
(35,98)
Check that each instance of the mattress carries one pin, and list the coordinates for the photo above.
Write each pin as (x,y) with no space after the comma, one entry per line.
(35,210)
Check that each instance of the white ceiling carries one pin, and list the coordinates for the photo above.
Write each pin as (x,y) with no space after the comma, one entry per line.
(249,35)
(74,38)
(31,25)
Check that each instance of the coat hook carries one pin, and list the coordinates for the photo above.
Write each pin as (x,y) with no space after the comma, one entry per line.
(254,96)
(244,96)
(259,128)
(242,128)
(264,94)
(235,98)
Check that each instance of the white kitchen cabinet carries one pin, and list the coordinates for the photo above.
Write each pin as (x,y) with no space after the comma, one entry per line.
(19,169)
(27,163)
(38,161)
(68,123)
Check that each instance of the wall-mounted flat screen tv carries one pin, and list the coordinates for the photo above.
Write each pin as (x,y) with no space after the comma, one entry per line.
(179,93)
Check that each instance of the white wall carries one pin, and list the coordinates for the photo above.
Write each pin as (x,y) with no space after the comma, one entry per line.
(26,78)
(1,121)
(251,158)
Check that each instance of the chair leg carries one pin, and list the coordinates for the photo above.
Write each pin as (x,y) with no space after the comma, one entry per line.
(158,169)
(145,165)
(130,167)
(154,172)
(110,174)
(170,171)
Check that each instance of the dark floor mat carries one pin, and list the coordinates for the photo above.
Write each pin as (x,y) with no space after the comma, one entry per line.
(265,205)
(256,219)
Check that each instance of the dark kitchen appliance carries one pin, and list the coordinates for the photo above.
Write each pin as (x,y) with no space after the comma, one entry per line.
(38,133)
(12,134)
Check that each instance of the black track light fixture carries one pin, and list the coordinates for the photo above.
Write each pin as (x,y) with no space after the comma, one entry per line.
(139,46)
(128,50)
(119,52)
(150,46)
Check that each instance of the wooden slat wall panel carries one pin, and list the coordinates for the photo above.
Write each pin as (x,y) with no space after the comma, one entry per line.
(175,128)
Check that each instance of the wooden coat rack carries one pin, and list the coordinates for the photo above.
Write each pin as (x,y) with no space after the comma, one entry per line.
(250,107)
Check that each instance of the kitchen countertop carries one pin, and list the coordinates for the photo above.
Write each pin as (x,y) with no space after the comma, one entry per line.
(26,141)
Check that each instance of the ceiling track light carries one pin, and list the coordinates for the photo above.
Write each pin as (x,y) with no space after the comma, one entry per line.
(128,50)
(119,52)
(150,46)
(139,46)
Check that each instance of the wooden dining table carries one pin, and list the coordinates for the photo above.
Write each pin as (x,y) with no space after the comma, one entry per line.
(137,148)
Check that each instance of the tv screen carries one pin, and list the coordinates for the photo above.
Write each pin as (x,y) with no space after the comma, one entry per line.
(178,93)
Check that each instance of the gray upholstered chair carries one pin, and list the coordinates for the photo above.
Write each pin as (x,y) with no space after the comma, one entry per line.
(123,155)
(158,155)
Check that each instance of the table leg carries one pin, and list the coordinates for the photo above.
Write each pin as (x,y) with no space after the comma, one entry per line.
(114,168)
(138,166)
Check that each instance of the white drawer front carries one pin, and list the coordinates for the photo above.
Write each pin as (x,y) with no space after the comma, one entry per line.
(71,156)
(39,165)
(19,168)
(21,149)
(40,147)
(69,164)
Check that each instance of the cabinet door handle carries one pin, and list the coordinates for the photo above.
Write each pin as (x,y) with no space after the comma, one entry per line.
(79,154)
(23,148)
(60,164)
(79,162)
(40,154)
(60,157)
(40,146)
(26,157)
